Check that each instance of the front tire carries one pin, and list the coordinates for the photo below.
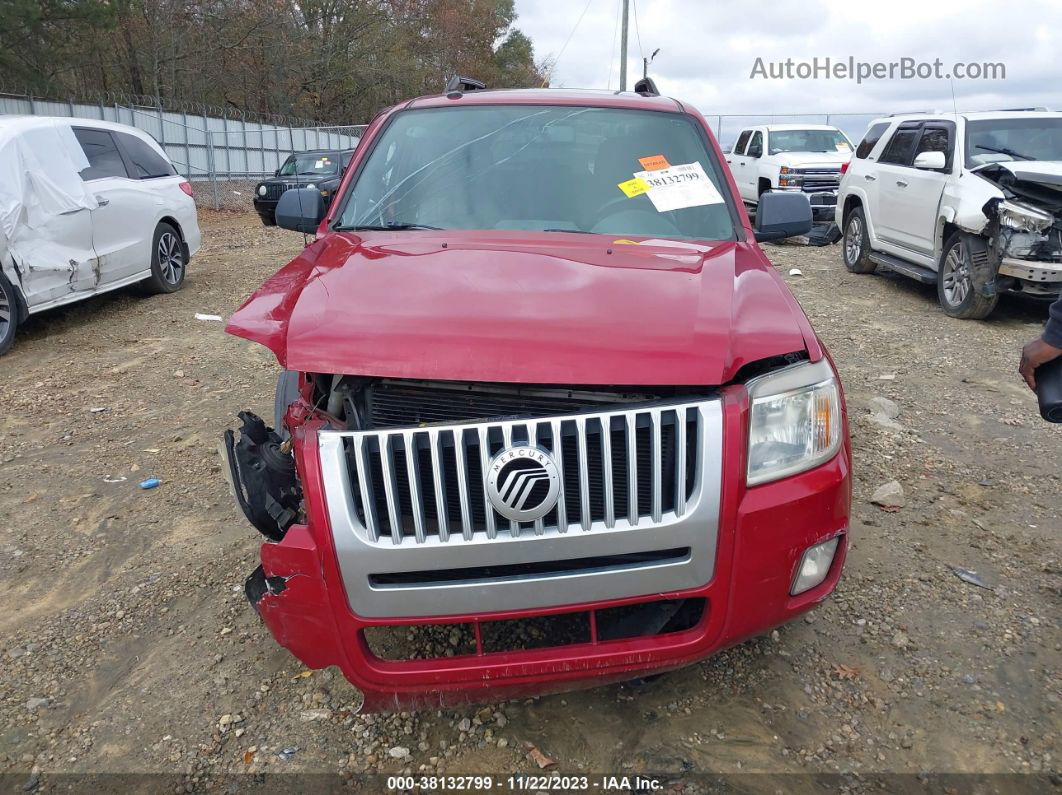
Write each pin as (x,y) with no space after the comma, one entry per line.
(8,314)
(169,261)
(268,219)
(855,243)
(286,394)
(955,286)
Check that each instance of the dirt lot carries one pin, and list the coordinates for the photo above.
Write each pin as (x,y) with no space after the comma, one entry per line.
(127,645)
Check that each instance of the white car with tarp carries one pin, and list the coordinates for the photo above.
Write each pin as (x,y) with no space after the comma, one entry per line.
(86,207)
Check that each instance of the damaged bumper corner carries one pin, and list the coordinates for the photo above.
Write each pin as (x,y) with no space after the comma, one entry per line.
(261,474)
(1020,248)
(290,596)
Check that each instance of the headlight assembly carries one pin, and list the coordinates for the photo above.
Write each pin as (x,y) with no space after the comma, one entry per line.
(1024,218)
(795,421)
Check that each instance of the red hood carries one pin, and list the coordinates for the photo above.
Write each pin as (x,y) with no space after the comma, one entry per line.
(542,308)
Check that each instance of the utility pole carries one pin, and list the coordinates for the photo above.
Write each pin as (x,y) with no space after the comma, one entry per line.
(623,46)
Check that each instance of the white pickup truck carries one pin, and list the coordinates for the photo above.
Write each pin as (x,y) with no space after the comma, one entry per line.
(791,157)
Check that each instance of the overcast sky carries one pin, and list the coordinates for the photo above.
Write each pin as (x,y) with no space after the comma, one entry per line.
(708,49)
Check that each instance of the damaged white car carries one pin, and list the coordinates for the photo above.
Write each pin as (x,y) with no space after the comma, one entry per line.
(971,202)
(86,207)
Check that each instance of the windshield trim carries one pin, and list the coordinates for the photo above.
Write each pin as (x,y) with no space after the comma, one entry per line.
(363,156)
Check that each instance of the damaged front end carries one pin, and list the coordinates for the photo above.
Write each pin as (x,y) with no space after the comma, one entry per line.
(1022,252)
(260,469)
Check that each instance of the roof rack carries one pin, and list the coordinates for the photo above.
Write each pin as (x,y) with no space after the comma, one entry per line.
(459,84)
(990,110)
(646,87)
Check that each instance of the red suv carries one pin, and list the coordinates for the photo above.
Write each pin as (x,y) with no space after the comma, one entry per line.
(543,391)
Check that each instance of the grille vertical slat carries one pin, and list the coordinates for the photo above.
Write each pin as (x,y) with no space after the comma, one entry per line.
(507,441)
(606,471)
(484,463)
(368,497)
(632,467)
(584,474)
(462,484)
(656,428)
(394,515)
(558,456)
(409,443)
(534,437)
(680,462)
(439,483)
(622,468)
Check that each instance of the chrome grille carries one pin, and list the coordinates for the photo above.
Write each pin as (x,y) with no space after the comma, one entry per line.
(620,468)
(819,179)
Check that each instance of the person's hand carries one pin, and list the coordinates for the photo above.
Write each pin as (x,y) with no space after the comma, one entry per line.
(1033,355)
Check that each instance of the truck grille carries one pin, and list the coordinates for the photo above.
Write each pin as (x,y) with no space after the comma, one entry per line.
(273,191)
(618,468)
(820,179)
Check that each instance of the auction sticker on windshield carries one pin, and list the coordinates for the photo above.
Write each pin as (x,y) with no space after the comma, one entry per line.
(678,187)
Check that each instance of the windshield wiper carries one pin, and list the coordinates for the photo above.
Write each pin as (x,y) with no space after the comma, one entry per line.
(576,231)
(1003,151)
(388,227)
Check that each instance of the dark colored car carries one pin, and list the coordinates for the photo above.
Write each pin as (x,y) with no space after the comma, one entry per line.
(319,168)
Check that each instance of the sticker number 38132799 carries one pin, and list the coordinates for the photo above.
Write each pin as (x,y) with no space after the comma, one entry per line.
(676,187)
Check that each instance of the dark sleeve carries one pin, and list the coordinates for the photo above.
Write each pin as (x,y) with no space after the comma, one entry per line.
(1053,332)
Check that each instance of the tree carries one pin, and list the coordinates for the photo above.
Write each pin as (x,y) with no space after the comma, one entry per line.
(337,61)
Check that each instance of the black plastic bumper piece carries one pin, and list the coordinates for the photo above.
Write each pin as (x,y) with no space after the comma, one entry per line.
(263,477)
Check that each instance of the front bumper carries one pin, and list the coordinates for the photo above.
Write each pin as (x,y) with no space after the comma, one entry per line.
(265,206)
(1038,279)
(762,534)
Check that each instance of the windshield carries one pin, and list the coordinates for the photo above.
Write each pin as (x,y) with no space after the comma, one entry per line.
(310,165)
(572,169)
(808,141)
(993,140)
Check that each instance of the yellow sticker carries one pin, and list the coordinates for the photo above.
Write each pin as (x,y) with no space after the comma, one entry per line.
(624,242)
(654,162)
(633,187)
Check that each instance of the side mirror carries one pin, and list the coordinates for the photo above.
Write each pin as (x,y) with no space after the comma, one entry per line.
(300,210)
(276,172)
(781,215)
(756,151)
(930,160)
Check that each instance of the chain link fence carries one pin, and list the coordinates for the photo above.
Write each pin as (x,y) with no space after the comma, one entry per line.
(222,155)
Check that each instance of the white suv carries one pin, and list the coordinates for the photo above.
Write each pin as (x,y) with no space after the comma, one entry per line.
(791,157)
(971,202)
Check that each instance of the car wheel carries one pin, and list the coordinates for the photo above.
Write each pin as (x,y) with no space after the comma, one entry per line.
(955,287)
(268,219)
(855,243)
(8,314)
(169,261)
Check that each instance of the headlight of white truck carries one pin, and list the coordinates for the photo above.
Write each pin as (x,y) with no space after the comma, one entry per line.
(795,421)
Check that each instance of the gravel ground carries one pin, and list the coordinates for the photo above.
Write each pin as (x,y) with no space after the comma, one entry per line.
(127,645)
